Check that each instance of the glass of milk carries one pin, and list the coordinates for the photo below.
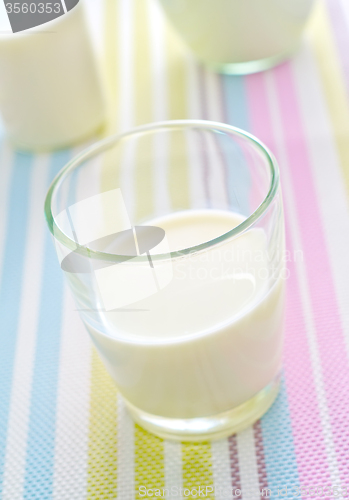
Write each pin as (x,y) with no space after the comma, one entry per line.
(240,36)
(52,94)
(171,237)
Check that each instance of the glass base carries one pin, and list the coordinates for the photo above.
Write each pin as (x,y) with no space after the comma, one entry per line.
(212,427)
(246,68)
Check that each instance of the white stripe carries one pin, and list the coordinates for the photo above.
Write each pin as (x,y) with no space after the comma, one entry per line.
(196,185)
(125,453)
(213,95)
(248,464)
(25,351)
(126,58)
(127,172)
(6,162)
(64,6)
(95,12)
(5,24)
(303,285)
(195,174)
(221,469)
(217,180)
(160,107)
(126,111)
(73,407)
(83,188)
(345,9)
(173,469)
(160,176)
(193,103)
(66,195)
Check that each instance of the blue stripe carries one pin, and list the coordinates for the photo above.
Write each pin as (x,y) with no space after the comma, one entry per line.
(11,284)
(235,101)
(238,178)
(279,451)
(41,433)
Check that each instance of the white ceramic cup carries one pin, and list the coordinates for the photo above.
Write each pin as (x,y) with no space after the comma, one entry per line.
(51,91)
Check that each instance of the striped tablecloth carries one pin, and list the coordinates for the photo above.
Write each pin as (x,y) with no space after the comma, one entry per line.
(64,432)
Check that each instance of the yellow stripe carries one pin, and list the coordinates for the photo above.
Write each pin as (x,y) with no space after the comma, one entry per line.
(178,173)
(111,69)
(142,66)
(143,180)
(102,462)
(149,450)
(110,172)
(178,181)
(149,464)
(333,84)
(176,76)
(197,469)
(143,111)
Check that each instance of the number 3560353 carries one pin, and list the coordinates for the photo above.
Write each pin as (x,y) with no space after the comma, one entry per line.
(33,8)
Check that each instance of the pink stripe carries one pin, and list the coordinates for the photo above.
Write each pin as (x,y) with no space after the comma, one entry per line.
(304,411)
(234,463)
(261,466)
(326,315)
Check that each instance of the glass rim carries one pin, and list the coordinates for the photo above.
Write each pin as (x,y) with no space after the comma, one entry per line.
(104,144)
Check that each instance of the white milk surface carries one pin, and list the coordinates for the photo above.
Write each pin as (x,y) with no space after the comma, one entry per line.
(51,94)
(212,338)
(235,31)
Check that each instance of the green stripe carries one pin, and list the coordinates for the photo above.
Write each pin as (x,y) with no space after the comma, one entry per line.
(197,469)
(149,465)
(102,453)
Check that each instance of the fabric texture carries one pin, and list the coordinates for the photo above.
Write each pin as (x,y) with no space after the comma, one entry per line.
(64,431)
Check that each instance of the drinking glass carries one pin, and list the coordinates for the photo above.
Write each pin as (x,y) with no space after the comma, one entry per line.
(171,237)
(240,36)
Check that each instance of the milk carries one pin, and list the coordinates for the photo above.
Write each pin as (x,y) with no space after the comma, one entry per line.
(222,32)
(51,94)
(212,338)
